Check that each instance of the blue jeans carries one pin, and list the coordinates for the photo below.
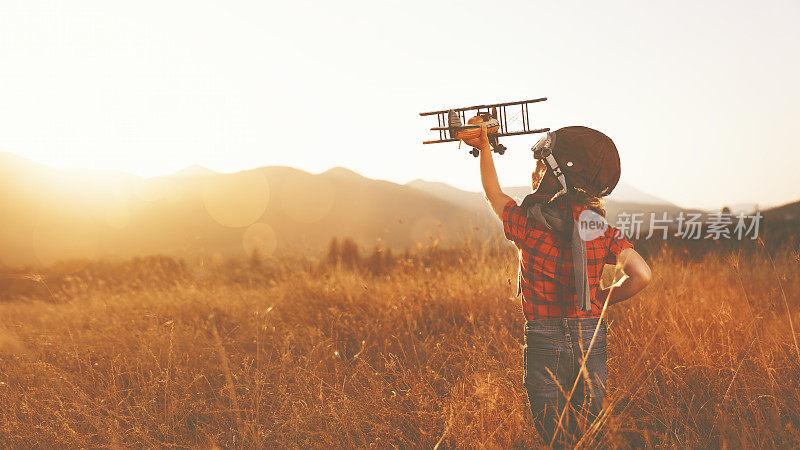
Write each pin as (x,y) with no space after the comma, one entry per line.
(555,345)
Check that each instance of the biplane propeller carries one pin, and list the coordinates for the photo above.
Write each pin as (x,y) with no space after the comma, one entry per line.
(452,125)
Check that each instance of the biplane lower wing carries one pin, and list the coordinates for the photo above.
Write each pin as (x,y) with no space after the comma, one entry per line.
(494,135)
(439,141)
(458,128)
(517,133)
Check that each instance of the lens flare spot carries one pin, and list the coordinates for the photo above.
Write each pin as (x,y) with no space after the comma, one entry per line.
(236,200)
(259,237)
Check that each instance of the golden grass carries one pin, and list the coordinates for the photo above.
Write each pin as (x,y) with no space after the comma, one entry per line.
(427,354)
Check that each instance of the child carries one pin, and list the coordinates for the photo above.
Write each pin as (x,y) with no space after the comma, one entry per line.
(560,270)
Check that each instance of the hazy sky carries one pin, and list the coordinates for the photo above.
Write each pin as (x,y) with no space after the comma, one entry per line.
(701,98)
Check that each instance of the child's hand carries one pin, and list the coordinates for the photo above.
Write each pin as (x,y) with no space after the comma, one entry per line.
(471,137)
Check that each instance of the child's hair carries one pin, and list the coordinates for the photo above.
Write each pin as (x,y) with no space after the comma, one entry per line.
(586,201)
(576,195)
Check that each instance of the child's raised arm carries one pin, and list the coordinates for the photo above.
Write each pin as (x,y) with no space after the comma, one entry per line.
(491,186)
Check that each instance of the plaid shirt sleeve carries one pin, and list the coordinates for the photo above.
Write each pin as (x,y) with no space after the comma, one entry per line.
(616,244)
(514,222)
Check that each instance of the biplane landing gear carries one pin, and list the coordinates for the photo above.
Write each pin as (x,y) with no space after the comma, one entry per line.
(500,149)
(475,152)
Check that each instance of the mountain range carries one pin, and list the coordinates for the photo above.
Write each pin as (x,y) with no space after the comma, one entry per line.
(49,214)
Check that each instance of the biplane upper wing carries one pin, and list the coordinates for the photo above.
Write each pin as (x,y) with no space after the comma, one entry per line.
(496,110)
(480,107)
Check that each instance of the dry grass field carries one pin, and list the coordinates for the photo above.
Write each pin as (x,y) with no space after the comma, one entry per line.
(412,351)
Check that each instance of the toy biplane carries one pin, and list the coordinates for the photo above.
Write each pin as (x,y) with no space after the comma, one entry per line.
(452,126)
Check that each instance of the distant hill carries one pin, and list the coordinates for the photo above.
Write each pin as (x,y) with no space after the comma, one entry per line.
(625,193)
(789,212)
(473,201)
(629,199)
(48,214)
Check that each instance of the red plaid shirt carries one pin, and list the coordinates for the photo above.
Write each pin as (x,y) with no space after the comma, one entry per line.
(546,278)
